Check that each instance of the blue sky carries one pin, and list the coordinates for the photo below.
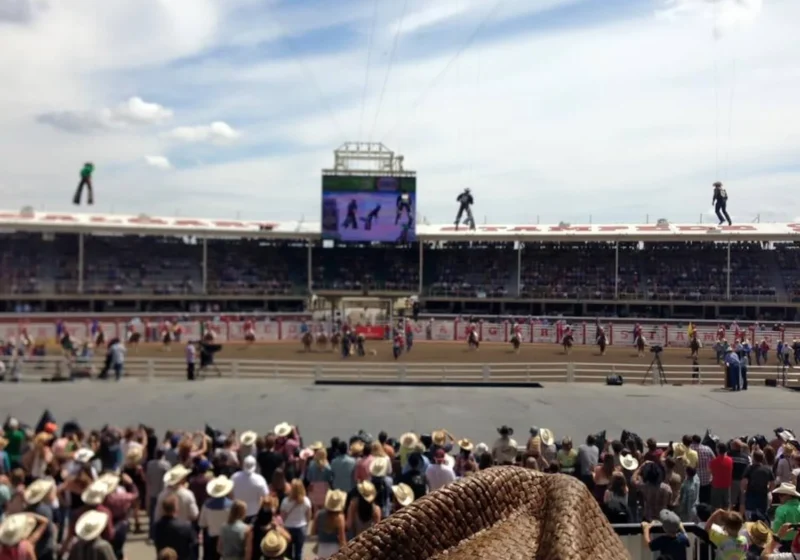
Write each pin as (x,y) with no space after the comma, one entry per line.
(548,109)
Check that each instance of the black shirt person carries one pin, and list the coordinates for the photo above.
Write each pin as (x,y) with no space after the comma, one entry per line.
(720,202)
(350,219)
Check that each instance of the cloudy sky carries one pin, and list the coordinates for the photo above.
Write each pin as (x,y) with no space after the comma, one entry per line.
(556,109)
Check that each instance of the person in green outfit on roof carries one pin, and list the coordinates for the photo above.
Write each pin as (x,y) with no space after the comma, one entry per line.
(86,181)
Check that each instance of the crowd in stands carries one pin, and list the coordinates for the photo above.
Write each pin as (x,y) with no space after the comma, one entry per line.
(246,496)
(37,264)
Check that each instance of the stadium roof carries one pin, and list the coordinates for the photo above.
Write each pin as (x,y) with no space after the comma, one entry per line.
(65,222)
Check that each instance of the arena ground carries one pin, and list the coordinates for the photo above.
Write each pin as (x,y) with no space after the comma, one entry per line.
(440,352)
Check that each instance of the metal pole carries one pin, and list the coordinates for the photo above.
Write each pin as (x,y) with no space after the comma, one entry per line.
(80,262)
(205,265)
(421,261)
(310,271)
(519,268)
(728,289)
(616,270)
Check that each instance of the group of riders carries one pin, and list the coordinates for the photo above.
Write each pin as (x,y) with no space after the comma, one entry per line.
(350,341)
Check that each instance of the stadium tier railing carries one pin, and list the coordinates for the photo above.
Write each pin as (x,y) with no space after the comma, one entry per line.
(354,370)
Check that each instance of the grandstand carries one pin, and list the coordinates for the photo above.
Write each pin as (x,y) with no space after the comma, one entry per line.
(92,263)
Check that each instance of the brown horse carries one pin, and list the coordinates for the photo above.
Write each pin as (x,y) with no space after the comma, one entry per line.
(307,340)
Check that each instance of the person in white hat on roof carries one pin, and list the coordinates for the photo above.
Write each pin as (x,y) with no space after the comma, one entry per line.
(175,484)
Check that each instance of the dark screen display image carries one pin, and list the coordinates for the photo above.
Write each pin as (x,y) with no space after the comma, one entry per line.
(368,208)
(376,216)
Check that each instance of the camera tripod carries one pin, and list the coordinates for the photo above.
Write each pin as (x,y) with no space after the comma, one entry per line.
(656,368)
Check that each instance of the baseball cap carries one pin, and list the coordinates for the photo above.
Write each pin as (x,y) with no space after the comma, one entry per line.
(670,521)
(440,454)
(249,463)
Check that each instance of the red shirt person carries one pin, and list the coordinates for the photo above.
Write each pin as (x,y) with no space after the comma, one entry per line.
(721,468)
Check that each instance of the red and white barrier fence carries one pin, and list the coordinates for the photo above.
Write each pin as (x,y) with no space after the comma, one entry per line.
(275,330)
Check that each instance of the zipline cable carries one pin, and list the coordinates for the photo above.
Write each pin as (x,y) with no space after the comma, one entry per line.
(388,68)
(369,63)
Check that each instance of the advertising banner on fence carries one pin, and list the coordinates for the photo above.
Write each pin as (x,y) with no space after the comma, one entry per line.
(371,332)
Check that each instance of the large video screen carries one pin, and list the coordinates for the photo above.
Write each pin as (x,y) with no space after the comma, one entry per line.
(360,208)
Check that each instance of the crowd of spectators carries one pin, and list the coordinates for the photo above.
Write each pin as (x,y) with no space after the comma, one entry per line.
(37,264)
(239,496)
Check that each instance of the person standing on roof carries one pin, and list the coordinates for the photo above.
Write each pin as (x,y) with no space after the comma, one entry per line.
(720,202)
(86,181)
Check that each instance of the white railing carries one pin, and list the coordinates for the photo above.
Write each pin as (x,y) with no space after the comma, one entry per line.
(405,372)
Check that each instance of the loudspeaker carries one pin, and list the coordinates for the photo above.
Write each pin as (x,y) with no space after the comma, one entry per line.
(771,382)
(614,380)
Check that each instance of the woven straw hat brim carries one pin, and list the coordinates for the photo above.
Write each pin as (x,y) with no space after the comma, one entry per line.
(504,512)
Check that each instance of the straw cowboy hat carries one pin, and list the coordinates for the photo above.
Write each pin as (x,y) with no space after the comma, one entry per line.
(219,487)
(367,490)
(284,429)
(439,437)
(91,524)
(306,454)
(787,489)
(176,475)
(38,490)
(16,528)
(403,494)
(380,466)
(495,524)
(335,500)
(547,436)
(273,545)
(83,455)
(42,438)
(465,445)
(408,440)
(95,494)
(248,438)
(134,454)
(759,533)
(628,462)
(316,446)
(109,479)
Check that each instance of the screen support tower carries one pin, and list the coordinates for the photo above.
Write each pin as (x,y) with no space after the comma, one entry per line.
(367,157)
(656,371)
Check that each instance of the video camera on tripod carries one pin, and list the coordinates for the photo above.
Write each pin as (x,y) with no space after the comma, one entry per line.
(656,349)
(656,367)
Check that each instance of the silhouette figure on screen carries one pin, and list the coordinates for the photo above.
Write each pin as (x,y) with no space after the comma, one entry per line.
(465,202)
(403,204)
(350,220)
(371,217)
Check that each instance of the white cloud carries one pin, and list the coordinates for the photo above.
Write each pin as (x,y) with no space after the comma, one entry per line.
(159,162)
(723,15)
(217,133)
(133,112)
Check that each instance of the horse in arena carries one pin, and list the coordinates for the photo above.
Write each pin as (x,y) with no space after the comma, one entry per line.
(694,346)
(249,337)
(99,339)
(134,338)
(567,342)
(322,341)
(602,341)
(516,342)
(336,341)
(641,343)
(473,341)
(359,344)
(307,340)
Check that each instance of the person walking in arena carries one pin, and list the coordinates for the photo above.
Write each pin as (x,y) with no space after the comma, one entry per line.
(86,181)
(720,202)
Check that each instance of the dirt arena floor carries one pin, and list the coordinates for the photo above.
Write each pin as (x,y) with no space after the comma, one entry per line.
(439,352)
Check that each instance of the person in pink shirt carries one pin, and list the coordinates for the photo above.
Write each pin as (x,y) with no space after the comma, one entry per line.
(287,443)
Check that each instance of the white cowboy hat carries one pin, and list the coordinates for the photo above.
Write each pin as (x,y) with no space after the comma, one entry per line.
(95,493)
(176,475)
(547,436)
(481,449)
(273,545)
(367,490)
(83,455)
(15,528)
(91,524)
(403,494)
(380,466)
(628,462)
(787,489)
(38,490)
(219,487)
(408,440)
(284,429)
(465,445)
(109,479)
(134,454)
(335,500)
(248,438)
(306,454)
